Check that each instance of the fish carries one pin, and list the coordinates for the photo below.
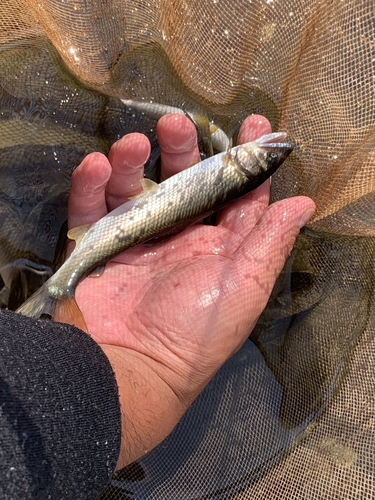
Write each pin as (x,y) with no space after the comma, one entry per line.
(210,136)
(183,199)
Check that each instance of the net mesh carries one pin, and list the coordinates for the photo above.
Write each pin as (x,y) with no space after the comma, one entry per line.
(292,415)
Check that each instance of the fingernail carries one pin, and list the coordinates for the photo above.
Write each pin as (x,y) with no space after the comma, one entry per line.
(306,216)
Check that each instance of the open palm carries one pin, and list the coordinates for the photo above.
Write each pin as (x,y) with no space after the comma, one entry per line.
(183,306)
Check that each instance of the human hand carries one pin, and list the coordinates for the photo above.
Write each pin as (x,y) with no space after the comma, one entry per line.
(169,315)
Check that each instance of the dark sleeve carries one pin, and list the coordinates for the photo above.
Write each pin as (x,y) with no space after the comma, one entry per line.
(60,418)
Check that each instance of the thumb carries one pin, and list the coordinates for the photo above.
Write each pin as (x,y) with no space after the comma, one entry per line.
(262,255)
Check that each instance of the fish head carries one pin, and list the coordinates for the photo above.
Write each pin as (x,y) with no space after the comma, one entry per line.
(264,156)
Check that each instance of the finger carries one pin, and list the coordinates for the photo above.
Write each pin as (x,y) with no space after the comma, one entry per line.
(253,127)
(87,194)
(127,157)
(240,217)
(243,214)
(262,255)
(177,138)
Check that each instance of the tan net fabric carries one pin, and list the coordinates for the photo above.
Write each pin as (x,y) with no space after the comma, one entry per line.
(292,415)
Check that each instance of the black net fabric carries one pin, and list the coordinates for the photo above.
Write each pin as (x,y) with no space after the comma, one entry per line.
(292,415)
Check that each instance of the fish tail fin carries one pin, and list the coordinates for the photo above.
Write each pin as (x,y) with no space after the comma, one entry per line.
(38,304)
(65,310)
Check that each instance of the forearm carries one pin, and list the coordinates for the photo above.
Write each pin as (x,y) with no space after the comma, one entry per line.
(150,409)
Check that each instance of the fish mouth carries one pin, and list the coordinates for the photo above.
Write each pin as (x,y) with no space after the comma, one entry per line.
(273,138)
(276,146)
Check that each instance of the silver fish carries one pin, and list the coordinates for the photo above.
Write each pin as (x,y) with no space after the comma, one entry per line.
(212,137)
(184,198)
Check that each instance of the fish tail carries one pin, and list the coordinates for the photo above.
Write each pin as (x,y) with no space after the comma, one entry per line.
(41,302)
(65,310)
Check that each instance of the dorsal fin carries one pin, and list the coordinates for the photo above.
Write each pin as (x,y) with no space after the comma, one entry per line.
(77,233)
(149,186)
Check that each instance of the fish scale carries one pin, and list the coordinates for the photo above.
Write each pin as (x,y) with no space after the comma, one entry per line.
(184,198)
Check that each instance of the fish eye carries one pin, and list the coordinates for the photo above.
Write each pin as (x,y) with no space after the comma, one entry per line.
(272,158)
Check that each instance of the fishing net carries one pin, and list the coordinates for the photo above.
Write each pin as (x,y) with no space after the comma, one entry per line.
(292,414)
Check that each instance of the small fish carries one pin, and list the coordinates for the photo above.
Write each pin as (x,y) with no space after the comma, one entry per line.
(210,136)
(184,198)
